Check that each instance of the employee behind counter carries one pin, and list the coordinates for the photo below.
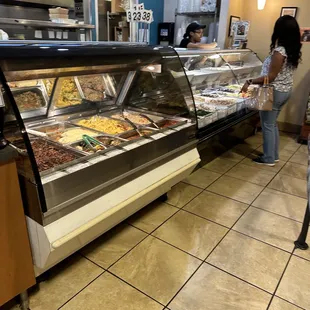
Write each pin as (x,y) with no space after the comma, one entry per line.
(193,35)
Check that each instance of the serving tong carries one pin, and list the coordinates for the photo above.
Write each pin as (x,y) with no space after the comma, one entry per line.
(91,142)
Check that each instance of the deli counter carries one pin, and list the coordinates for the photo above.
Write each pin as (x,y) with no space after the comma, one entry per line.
(216,78)
(101,130)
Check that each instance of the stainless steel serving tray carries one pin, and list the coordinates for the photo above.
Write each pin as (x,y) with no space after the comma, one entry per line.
(40,91)
(108,147)
(76,120)
(80,156)
(80,88)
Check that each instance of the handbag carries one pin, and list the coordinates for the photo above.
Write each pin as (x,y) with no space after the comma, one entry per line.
(261,97)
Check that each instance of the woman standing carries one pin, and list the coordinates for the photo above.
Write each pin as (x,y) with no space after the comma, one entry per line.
(193,35)
(279,66)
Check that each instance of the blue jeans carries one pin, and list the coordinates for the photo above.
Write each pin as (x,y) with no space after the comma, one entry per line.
(270,127)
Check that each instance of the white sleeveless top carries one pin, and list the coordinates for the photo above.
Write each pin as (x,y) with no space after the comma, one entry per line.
(284,80)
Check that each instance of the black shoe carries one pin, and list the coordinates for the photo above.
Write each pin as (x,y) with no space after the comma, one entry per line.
(259,161)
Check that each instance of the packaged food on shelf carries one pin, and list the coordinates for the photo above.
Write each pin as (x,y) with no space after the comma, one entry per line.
(69,94)
(92,87)
(28,100)
(49,156)
(71,135)
(106,125)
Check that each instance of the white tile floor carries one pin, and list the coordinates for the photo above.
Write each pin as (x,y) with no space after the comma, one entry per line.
(222,241)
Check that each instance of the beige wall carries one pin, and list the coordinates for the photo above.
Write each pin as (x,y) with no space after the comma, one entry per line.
(262,23)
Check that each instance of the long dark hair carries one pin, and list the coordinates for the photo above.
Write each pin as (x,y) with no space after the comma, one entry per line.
(287,34)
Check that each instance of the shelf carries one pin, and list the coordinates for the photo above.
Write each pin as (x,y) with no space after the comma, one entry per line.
(195,14)
(42,24)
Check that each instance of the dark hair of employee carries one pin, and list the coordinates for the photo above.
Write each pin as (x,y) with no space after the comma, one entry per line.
(193,35)
(279,67)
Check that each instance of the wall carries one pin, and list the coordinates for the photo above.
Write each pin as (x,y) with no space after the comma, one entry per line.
(169,10)
(158,13)
(262,23)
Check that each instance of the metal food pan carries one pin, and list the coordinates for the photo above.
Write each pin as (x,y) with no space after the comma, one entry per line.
(127,135)
(80,88)
(39,90)
(179,123)
(53,128)
(57,93)
(108,147)
(76,153)
(75,122)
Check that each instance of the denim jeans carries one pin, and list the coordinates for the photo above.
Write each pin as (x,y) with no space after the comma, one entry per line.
(270,127)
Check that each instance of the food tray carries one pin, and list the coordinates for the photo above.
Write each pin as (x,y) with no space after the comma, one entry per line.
(134,136)
(58,96)
(60,149)
(37,90)
(241,104)
(53,128)
(101,138)
(175,123)
(76,121)
(154,118)
(205,121)
(82,90)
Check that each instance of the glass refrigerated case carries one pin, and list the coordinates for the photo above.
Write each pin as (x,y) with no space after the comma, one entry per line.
(216,78)
(101,130)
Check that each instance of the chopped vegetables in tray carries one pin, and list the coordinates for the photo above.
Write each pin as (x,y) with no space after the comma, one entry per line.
(29,100)
(133,117)
(93,87)
(106,125)
(49,156)
(69,94)
(202,113)
(219,101)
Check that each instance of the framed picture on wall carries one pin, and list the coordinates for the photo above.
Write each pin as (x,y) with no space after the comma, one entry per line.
(233,19)
(292,11)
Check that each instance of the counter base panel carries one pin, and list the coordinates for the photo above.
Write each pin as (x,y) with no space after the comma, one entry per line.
(56,241)
(224,124)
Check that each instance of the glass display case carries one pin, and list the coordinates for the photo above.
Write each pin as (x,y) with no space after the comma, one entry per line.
(216,78)
(101,129)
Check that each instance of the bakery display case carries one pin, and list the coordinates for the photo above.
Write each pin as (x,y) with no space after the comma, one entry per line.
(101,130)
(216,78)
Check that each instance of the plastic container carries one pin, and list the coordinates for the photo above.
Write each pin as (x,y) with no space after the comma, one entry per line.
(63,16)
(59,10)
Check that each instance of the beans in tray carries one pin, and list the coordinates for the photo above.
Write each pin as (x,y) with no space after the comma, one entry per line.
(92,87)
(49,156)
(28,100)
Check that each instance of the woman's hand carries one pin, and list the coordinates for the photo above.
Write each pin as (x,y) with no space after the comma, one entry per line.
(245,87)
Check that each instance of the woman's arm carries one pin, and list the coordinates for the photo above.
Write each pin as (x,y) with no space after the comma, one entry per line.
(209,46)
(277,61)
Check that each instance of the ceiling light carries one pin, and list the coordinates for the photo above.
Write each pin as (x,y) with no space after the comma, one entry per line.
(261,4)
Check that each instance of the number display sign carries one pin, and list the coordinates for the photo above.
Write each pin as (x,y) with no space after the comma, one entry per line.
(139,15)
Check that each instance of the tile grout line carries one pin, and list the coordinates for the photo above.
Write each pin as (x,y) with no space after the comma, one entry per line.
(124,281)
(75,295)
(240,279)
(290,303)
(288,218)
(274,293)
